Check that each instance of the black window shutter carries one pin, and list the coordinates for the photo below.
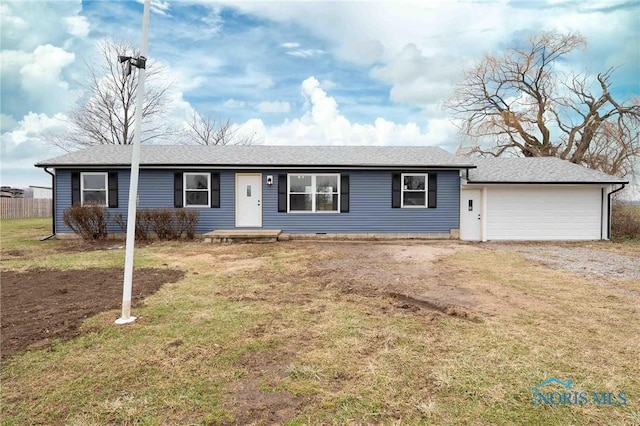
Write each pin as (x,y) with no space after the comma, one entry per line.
(396,190)
(282,193)
(215,190)
(75,188)
(344,193)
(177,189)
(113,189)
(433,190)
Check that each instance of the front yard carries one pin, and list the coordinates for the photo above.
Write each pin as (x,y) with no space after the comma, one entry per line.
(317,333)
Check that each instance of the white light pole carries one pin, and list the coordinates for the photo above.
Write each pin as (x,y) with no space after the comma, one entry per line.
(135,168)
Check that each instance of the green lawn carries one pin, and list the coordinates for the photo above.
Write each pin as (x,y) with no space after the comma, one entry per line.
(257,333)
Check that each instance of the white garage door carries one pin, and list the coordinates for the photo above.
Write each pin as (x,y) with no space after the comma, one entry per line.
(544,213)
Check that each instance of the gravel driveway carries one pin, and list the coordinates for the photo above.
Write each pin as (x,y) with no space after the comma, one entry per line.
(586,261)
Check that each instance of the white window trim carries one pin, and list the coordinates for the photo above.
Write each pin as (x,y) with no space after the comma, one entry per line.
(184,190)
(106,186)
(314,193)
(426,191)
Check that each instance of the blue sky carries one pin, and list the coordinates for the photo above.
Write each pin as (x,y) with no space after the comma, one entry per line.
(294,72)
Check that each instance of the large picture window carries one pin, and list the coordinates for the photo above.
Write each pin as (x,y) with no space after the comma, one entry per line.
(414,190)
(93,189)
(196,189)
(317,193)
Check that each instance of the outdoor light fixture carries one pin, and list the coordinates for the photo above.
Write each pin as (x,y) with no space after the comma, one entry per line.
(139,62)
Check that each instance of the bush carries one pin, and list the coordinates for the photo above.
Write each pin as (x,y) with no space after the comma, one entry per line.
(625,221)
(167,224)
(187,221)
(144,224)
(90,222)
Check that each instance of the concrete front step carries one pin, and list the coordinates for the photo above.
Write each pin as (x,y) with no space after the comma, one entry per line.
(242,235)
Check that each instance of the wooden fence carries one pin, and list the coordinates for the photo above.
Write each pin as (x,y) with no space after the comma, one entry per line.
(19,208)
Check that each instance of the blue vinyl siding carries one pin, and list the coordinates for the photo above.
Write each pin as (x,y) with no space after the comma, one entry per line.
(369,211)
(63,199)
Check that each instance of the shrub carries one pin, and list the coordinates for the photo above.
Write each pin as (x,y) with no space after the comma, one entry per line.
(625,221)
(187,221)
(144,224)
(167,224)
(90,222)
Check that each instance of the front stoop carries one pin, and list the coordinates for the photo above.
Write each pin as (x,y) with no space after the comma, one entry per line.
(242,235)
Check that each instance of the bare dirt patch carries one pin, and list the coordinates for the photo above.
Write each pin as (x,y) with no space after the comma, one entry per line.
(79,246)
(413,275)
(256,399)
(41,305)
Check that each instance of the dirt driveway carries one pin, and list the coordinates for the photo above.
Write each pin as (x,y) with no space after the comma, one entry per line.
(584,259)
(418,275)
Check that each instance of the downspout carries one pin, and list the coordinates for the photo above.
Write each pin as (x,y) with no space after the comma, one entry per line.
(609,210)
(483,215)
(53,206)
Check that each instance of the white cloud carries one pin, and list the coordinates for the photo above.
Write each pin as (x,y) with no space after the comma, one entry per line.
(7,123)
(77,26)
(41,77)
(26,25)
(449,36)
(161,7)
(293,49)
(12,60)
(328,84)
(305,53)
(417,79)
(233,103)
(12,26)
(24,145)
(273,107)
(364,52)
(322,124)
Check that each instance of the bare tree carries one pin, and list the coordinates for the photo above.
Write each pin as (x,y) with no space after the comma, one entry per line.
(105,116)
(521,104)
(204,130)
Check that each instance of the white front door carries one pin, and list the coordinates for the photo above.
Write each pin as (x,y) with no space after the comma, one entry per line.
(249,200)
(470,219)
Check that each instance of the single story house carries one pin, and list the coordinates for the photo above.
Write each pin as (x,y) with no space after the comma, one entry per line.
(406,191)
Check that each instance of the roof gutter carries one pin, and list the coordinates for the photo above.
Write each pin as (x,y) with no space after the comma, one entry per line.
(259,166)
(53,205)
(609,209)
(515,182)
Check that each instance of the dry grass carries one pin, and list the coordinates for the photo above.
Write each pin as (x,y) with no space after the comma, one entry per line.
(273,334)
(625,221)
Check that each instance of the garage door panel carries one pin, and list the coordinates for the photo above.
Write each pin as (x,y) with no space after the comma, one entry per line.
(551,213)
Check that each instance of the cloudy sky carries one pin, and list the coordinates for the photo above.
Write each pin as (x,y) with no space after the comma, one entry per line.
(295,72)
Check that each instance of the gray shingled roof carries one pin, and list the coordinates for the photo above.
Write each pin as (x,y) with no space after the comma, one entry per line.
(538,169)
(541,169)
(261,155)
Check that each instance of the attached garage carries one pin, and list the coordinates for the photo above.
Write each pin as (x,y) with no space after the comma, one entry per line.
(535,199)
(544,213)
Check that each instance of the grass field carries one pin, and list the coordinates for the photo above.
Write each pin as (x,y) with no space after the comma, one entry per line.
(304,333)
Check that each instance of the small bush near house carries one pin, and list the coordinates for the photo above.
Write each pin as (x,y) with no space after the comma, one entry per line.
(187,221)
(90,222)
(167,224)
(625,221)
(144,224)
